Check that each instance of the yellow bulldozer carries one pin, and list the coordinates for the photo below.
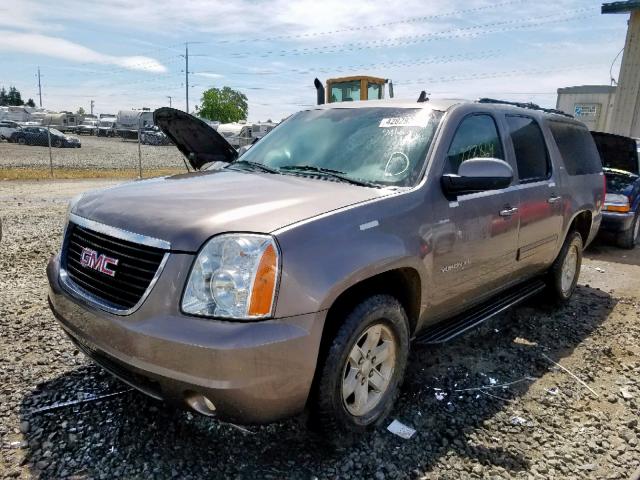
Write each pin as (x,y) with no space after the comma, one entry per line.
(354,88)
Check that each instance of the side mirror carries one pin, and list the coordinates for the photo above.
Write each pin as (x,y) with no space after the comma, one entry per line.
(478,175)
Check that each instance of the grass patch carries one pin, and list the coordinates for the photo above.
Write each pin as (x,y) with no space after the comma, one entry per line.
(18,173)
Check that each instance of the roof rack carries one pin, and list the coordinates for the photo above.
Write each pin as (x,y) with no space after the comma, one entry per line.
(529,105)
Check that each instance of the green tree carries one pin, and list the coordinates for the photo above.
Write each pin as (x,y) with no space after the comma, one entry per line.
(30,103)
(4,101)
(224,105)
(80,111)
(14,97)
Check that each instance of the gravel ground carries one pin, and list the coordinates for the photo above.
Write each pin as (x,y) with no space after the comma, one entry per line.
(543,424)
(96,152)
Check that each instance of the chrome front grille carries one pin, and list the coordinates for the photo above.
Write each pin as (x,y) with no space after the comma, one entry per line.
(108,270)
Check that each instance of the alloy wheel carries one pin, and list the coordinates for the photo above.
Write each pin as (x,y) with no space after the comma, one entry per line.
(369,369)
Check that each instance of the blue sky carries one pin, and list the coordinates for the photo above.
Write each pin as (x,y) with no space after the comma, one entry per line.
(126,54)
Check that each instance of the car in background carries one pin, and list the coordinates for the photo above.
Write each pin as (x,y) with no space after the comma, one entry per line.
(106,127)
(87,127)
(620,215)
(8,128)
(153,136)
(39,136)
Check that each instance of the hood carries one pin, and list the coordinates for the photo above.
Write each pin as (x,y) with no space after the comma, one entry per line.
(186,210)
(196,140)
(617,152)
(619,181)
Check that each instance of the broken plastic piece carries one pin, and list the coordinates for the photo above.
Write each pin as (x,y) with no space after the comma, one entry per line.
(401,430)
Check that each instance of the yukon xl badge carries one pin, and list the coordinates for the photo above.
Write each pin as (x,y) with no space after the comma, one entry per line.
(90,259)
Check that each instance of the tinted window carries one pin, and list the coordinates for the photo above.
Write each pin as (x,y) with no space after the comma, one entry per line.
(530,149)
(476,137)
(576,147)
(345,91)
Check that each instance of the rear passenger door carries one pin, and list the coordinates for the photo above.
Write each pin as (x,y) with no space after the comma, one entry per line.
(540,201)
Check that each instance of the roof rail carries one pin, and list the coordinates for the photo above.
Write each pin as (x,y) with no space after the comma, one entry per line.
(529,105)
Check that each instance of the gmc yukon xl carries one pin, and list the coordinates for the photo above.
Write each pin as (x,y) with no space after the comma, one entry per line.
(297,276)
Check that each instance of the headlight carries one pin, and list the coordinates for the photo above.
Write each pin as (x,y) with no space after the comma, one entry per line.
(614,202)
(234,276)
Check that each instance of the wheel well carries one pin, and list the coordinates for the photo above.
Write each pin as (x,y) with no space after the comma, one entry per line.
(582,224)
(403,284)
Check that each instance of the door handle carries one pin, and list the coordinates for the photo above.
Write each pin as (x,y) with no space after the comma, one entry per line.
(507,212)
(554,199)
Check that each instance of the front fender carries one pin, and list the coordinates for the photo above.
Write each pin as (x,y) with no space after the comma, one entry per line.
(326,256)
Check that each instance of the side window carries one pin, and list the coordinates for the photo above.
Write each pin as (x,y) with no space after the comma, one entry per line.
(577,148)
(477,137)
(530,148)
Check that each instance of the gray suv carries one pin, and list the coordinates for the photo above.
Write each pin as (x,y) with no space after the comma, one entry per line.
(297,276)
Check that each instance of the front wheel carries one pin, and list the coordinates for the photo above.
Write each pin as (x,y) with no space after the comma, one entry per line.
(360,375)
(564,273)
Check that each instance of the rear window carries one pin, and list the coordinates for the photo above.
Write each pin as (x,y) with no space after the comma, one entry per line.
(577,148)
(530,149)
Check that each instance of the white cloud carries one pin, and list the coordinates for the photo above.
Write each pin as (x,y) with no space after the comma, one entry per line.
(209,74)
(37,44)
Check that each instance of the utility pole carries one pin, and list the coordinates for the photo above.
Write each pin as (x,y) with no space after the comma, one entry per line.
(169,97)
(39,87)
(186,73)
(92,104)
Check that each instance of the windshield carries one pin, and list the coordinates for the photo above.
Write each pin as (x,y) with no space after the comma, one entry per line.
(385,146)
(56,132)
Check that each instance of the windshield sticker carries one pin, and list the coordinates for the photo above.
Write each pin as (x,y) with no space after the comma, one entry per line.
(414,121)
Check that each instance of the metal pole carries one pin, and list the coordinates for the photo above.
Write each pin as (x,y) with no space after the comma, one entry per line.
(92,103)
(139,149)
(169,97)
(50,157)
(186,73)
(39,88)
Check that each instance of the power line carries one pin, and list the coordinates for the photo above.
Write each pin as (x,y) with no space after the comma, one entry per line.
(460,32)
(408,20)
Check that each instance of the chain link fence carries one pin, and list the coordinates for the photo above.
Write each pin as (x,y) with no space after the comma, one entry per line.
(84,151)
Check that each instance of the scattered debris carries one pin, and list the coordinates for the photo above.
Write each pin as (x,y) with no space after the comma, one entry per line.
(524,341)
(440,396)
(500,385)
(492,381)
(553,391)
(626,394)
(401,430)
(497,397)
(518,420)
(598,269)
(572,374)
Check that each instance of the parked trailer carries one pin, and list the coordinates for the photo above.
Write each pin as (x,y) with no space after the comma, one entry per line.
(64,121)
(128,122)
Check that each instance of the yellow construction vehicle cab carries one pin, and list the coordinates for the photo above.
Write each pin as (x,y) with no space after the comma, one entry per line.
(347,89)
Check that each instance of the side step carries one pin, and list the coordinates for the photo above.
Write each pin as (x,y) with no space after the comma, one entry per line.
(451,328)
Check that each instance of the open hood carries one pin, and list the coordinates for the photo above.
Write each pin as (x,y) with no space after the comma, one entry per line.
(197,141)
(617,151)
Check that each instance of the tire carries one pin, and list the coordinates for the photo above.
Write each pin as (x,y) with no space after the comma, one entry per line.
(337,417)
(630,238)
(21,140)
(564,273)
(57,144)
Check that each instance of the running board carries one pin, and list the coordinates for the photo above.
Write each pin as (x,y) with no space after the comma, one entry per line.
(449,329)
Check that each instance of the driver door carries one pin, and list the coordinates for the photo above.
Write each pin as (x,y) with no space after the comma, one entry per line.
(479,254)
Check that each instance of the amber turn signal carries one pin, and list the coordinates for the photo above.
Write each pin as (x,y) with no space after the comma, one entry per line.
(264,283)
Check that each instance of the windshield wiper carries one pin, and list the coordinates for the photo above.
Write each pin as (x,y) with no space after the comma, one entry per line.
(330,173)
(246,164)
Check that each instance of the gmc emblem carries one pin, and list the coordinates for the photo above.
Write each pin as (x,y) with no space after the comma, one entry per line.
(90,259)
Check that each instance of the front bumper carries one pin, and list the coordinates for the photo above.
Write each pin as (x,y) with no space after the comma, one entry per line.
(252,372)
(616,222)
